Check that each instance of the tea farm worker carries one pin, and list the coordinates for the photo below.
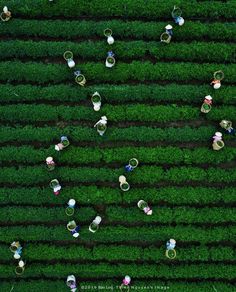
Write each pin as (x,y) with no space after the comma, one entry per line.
(55,185)
(176,14)
(227,125)
(208,100)
(18,253)
(169,30)
(6,13)
(101,125)
(63,144)
(216,84)
(73,228)
(218,143)
(217,137)
(71,283)
(170,245)
(75,232)
(125,283)
(56,190)
(179,20)
(102,121)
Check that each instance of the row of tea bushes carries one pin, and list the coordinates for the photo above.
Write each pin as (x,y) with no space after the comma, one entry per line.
(123,215)
(191,31)
(43,215)
(110,253)
(119,156)
(135,50)
(93,195)
(111,94)
(107,270)
(40,73)
(121,234)
(104,285)
(115,113)
(47,136)
(151,10)
(176,215)
(151,175)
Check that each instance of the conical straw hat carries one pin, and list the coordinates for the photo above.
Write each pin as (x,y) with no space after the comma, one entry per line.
(169,26)
(5,9)
(71,202)
(218,134)
(97,220)
(172,241)
(49,159)
(21,264)
(217,86)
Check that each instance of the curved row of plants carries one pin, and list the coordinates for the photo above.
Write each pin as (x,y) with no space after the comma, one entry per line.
(34,175)
(121,234)
(50,135)
(38,113)
(104,285)
(125,9)
(178,215)
(89,29)
(41,73)
(117,93)
(115,113)
(119,155)
(95,51)
(93,195)
(111,253)
(123,215)
(105,270)
(42,215)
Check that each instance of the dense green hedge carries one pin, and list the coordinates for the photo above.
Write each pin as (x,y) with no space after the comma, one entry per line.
(94,195)
(103,286)
(218,31)
(118,113)
(177,215)
(161,215)
(150,10)
(95,51)
(43,214)
(51,135)
(30,176)
(81,155)
(117,233)
(105,270)
(40,73)
(117,93)
(33,252)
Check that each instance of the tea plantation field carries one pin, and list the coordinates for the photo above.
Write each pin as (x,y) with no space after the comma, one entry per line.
(152,99)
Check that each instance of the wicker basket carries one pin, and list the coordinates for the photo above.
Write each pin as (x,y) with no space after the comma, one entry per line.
(205,108)
(217,145)
(4,17)
(165,38)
